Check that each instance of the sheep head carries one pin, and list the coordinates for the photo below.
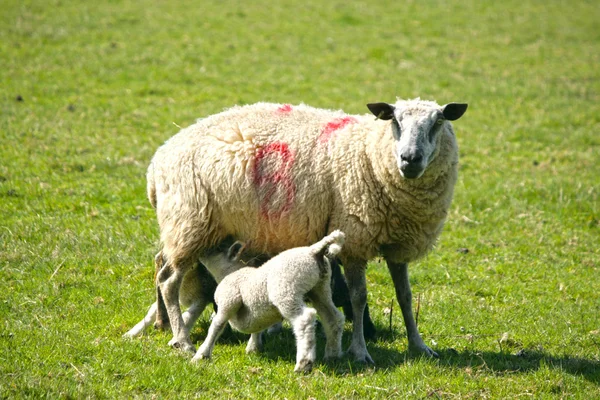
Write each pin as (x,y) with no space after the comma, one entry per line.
(416,126)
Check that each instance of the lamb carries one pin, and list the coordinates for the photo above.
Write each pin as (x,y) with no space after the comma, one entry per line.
(252,299)
(281,176)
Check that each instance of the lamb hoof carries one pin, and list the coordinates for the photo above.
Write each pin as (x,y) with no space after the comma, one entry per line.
(130,334)
(304,366)
(198,357)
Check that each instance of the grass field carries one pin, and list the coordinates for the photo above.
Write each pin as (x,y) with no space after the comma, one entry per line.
(88,91)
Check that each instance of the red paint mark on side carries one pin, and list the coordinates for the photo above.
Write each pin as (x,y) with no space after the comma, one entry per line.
(330,129)
(272,175)
(285,108)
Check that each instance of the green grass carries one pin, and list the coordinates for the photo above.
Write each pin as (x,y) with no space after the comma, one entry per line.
(89,91)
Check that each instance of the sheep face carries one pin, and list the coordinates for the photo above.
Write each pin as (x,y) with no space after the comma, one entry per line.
(417,127)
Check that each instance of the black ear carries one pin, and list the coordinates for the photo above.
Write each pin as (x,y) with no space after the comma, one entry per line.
(383,111)
(235,251)
(453,111)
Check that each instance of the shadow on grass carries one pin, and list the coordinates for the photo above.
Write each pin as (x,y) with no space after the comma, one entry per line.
(501,362)
(282,346)
(523,361)
(229,336)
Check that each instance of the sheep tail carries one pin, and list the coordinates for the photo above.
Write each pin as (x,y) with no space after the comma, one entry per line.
(151,185)
(330,244)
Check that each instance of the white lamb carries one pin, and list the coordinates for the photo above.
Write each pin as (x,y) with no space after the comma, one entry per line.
(281,176)
(252,299)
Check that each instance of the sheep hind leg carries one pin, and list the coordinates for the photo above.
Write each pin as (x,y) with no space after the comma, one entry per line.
(162,317)
(170,279)
(399,273)
(161,322)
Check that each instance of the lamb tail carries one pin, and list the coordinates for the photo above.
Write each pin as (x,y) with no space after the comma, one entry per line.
(332,244)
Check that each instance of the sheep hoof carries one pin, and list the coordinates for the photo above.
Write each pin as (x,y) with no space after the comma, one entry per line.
(362,356)
(368,360)
(186,347)
(304,366)
(423,350)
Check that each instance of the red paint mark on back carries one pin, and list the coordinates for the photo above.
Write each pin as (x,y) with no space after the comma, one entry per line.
(269,181)
(330,129)
(285,108)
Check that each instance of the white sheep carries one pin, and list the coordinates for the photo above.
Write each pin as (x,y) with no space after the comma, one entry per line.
(281,176)
(252,299)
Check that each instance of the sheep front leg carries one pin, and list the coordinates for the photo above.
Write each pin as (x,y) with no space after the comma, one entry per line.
(399,273)
(170,279)
(357,286)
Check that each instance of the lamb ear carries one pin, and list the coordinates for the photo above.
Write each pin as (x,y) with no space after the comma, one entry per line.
(235,251)
(453,111)
(383,111)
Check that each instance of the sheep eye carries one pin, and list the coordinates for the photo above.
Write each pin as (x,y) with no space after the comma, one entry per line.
(439,121)
(398,130)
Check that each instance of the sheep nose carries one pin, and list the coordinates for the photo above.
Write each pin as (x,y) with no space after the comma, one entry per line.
(412,157)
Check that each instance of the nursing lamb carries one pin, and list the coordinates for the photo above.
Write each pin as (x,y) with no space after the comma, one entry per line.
(252,299)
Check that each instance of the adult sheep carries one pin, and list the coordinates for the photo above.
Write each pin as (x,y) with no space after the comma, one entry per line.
(281,176)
